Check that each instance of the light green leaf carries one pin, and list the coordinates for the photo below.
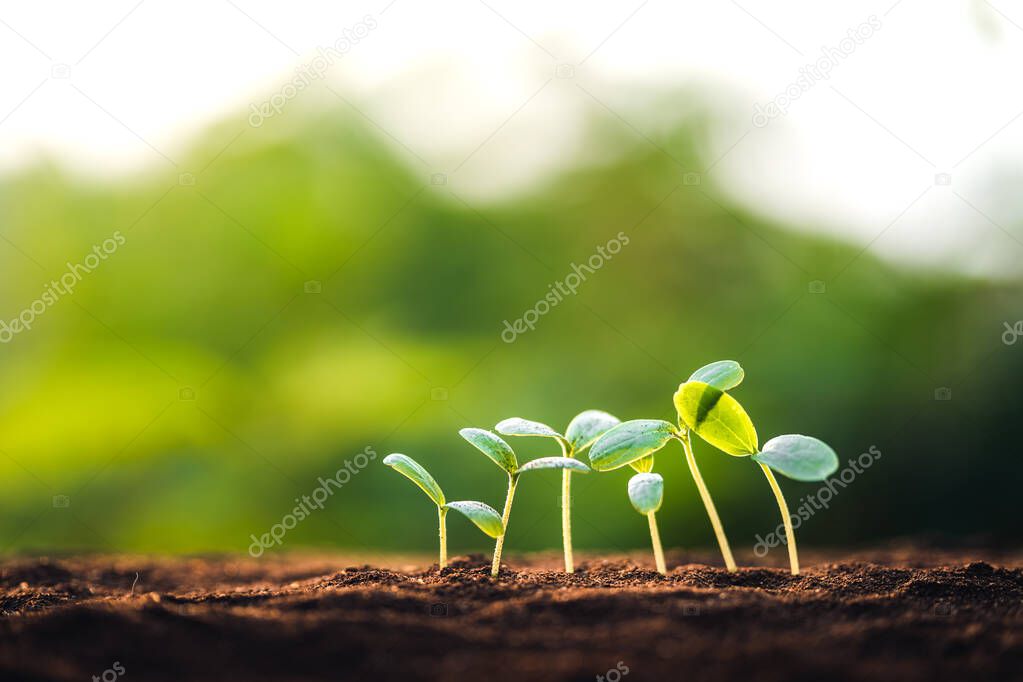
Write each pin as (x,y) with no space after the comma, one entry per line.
(646,491)
(630,441)
(516,426)
(555,463)
(802,458)
(588,426)
(643,465)
(722,375)
(414,471)
(493,447)
(716,417)
(484,516)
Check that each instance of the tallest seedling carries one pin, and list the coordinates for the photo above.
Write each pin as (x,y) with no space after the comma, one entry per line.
(581,433)
(705,409)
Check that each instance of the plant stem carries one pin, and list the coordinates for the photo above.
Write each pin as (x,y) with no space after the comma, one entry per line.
(655,538)
(719,530)
(513,480)
(790,535)
(567,511)
(442,514)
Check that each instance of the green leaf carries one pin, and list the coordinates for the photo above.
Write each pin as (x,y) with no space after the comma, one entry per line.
(722,375)
(414,471)
(588,426)
(555,463)
(802,458)
(646,491)
(716,417)
(493,447)
(643,465)
(524,427)
(484,516)
(630,441)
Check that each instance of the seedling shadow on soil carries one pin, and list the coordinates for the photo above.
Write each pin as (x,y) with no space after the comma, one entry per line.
(905,614)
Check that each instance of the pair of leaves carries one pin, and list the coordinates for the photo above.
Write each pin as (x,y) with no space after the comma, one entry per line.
(484,516)
(499,452)
(585,428)
(718,418)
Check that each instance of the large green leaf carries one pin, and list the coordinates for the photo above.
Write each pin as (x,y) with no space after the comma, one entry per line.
(555,463)
(630,441)
(414,471)
(646,491)
(516,426)
(802,458)
(484,516)
(588,426)
(493,447)
(722,375)
(716,417)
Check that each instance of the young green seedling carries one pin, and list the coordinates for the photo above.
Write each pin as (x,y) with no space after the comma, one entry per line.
(584,429)
(646,491)
(484,516)
(503,456)
(634,443)
(719,419)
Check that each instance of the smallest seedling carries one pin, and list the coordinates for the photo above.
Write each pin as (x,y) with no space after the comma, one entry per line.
(646,492)
(484,516)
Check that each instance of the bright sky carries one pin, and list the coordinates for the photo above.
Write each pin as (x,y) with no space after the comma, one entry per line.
(929,88)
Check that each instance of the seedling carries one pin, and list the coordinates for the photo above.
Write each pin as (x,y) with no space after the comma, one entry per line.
(484,516)
(501,454)
(634,443)
(646,491)
(581,433)
(718,418)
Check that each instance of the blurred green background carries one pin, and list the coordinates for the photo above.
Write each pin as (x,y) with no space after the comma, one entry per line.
(313,294)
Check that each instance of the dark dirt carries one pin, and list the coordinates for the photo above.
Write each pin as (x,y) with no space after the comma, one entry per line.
(899,614)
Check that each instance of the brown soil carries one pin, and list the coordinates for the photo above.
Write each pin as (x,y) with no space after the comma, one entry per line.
(887,615)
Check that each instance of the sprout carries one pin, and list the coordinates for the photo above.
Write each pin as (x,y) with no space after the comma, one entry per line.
(499,452)
(484,516)
(634,443)
(719,419)
(646,491)
(581,433)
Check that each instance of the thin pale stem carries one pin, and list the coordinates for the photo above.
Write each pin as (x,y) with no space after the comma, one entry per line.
(719,530)
(566,510)
(513,480)
(790,535)
(442,514)
(655,538)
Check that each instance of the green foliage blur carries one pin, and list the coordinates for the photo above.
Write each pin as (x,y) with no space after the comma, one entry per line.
(313,295)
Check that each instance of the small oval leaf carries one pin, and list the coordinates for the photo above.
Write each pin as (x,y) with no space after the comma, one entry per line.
(716,417)
(555,463)
(516,426)
(493,447)
(588,426)
(722,375)
(646,491)
(802,458)
(484,516)
(414,471)
(630,441)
